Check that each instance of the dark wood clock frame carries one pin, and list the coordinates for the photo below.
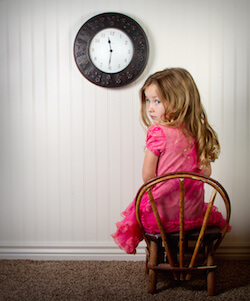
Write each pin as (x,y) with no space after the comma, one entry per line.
(138,39)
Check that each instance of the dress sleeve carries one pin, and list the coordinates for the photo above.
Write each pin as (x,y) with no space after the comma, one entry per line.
(156,140)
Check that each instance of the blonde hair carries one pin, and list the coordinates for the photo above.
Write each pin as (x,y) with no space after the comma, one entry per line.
(183,109)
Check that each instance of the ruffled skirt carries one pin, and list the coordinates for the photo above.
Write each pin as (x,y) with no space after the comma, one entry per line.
(128,234)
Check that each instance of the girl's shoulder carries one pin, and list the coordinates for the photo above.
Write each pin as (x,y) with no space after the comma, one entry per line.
(156,130)
(155,127)
(156,139)
(160,130)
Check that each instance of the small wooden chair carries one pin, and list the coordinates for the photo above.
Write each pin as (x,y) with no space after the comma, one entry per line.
(162,248)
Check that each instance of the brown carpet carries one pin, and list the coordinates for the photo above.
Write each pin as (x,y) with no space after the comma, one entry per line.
(112,280)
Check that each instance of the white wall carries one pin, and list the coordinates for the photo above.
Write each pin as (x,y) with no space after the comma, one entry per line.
(71,152)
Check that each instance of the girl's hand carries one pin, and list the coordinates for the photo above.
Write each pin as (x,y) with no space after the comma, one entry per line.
(208,171)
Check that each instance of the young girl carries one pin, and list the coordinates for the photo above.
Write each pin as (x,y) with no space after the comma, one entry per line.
(179,138)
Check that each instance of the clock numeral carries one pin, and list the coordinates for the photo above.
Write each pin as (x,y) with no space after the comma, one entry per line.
(112,33)
(97,40)
(126,42)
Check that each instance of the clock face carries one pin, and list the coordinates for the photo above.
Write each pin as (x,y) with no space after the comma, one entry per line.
(111,50)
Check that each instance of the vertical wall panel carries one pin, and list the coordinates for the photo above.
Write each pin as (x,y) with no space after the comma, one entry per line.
(127,151)
(15,199)
(103,160)
(67,197)
(114,168)
(90,163)
(216,95)
(241,118)
(40,108)
(27,160)
(71,152)
(5,212)
(52,130)
(229,79)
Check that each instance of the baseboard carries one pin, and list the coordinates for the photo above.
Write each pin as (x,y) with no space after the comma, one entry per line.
(90,251)
(234,252)
(100,251)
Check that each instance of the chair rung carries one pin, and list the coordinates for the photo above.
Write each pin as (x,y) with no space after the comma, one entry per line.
(167,267)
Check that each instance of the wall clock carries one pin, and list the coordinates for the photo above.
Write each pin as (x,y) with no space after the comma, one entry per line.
(111,50)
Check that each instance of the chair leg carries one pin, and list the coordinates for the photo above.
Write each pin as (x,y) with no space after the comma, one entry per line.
(210,274)
(152,261)
(173,245)
(147,259)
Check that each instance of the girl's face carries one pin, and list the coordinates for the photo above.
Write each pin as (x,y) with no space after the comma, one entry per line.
(155,107)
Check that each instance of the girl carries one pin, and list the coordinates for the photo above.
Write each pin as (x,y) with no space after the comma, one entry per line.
(179,138)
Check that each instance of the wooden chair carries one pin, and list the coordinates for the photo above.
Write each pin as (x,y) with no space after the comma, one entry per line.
(162,248)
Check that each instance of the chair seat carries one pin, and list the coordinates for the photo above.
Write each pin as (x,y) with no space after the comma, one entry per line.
(212,233)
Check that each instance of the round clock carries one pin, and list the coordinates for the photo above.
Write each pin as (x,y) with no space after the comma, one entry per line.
(111,50)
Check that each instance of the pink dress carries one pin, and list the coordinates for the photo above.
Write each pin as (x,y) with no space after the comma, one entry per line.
(176,152)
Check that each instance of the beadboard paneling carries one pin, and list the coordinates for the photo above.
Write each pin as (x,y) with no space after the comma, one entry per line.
(71,152)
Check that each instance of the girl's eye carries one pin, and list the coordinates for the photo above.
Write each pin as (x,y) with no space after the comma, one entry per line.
(147,100)
(158,101)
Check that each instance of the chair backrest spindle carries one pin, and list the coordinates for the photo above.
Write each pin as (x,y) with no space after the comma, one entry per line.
(181,220)
(203,229)
(162,232)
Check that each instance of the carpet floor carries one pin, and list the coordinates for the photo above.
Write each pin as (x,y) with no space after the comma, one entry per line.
(113,280)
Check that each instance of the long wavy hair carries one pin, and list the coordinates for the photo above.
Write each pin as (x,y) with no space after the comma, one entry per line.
(183,109)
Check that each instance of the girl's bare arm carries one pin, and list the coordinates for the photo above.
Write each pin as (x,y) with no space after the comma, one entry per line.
(149,166)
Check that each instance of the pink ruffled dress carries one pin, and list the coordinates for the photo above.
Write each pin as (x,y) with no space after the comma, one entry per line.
(176,152)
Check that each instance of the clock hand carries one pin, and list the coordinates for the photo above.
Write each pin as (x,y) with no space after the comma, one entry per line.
(110,50)
(109,43)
